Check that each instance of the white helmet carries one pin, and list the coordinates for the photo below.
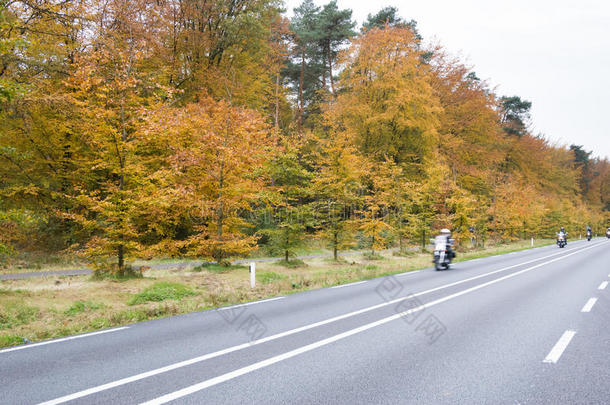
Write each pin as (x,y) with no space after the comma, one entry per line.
(445,231)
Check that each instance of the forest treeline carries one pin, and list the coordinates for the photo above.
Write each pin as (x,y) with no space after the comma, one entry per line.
(141,128)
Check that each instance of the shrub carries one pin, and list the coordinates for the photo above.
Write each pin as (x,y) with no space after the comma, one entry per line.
(217,268)
(82,306)
(161,291)
(373,256)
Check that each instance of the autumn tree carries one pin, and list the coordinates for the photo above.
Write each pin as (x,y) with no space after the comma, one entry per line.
(391,198)
(381,217)
(215,171)
(38,44)
(288,196)
(110,86)
(470,137)
(386,99)
(338,187)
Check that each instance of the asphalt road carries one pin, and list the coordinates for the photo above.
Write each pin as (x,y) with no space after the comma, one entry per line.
(523,328)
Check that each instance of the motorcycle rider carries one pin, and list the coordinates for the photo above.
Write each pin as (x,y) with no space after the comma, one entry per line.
(562,233)
(445,237)
(608,233)
(589,232)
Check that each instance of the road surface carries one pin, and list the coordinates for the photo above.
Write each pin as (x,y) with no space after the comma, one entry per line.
(523,328)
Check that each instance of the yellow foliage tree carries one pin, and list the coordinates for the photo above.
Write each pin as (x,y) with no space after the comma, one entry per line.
(386,101)
(213,171)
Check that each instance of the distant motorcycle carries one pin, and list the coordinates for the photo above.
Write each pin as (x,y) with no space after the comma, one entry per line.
(608,233)
(561,240)
(589,235)
(442,252)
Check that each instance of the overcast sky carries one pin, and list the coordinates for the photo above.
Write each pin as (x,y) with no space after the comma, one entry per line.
(555,53)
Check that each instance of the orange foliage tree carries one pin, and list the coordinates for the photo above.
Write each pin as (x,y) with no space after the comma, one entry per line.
(213,171)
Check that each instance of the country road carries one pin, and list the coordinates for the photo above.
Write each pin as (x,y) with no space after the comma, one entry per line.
(528,327)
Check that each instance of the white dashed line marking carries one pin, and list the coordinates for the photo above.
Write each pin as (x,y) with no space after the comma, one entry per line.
(560,347)
(589,305)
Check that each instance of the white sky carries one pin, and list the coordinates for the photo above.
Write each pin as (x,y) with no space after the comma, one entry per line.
(555,53)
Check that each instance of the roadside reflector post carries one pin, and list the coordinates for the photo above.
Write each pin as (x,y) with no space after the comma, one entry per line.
(252,274)
(532,242)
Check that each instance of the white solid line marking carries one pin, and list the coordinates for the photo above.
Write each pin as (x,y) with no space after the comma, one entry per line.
(48,342)
(264,363)
(350,284)
(250,303)
(559,348)
(589,305)
(208,356)
(603,285)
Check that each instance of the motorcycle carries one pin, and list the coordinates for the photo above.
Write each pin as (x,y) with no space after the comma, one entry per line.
(589,236)
(561,241)
(608,233)
(442,253)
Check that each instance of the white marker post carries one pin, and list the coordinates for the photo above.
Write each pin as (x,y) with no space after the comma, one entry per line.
(252,274)
(532,242)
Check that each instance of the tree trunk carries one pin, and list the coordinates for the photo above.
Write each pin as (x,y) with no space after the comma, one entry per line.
(301,81)
(122,158)
(121,260)
(335,243)
(277,101)
(219,210)
(286,255)
(423,240)
(324,80)
(330,70)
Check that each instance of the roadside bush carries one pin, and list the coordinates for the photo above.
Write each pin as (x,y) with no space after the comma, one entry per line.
(82,306)
(217,268)
(373,256)
(161,291)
